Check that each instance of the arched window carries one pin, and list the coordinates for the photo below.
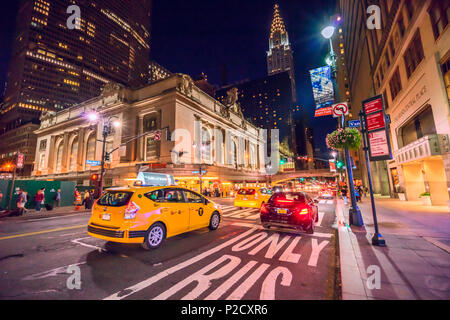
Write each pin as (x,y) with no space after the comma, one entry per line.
(59,156)
(73,155)
(252,158)
(90,149)
(234,153)
(206,146)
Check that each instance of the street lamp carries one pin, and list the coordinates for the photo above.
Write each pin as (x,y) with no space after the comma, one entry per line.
(355,216)
(107,129)
(202,149)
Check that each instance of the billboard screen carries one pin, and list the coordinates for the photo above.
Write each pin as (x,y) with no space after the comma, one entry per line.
(323,91)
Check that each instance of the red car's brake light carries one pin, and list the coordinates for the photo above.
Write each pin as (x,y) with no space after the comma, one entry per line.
(284,201)
(264,209)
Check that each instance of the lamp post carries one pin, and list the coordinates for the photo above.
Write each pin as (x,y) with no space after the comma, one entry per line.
(202,148)
(107,127)
(355,217)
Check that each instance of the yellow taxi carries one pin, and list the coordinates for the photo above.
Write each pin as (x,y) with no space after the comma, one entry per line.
(252,197)
(148,215)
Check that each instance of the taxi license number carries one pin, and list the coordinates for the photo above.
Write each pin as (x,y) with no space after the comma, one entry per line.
(106,217)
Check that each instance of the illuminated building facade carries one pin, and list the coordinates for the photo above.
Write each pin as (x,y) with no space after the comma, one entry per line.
(280,56)
(157,72)
(267,102)
(231,152)
(53,67)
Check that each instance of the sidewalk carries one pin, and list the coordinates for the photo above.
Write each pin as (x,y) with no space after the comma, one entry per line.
(61,211)
(414,265)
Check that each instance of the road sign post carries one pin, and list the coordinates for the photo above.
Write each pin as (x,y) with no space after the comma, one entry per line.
(374,127)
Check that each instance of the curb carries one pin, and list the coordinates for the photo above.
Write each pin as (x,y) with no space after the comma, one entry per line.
(352,286)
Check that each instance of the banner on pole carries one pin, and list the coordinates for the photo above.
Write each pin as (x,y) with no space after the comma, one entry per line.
(322,86)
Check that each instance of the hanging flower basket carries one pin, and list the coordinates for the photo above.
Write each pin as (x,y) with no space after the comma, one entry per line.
(344,138)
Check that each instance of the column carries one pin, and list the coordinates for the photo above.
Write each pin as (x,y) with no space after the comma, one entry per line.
(66,151)
(81,149)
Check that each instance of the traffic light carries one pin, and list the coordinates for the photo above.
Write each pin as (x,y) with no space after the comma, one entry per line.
(94,177)
(282,161)
(107,157)
(339,164)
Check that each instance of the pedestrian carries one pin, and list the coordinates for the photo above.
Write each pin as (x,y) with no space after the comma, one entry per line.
(38,199)
(21,201)
(87,199)
(357,195)
(43,197)
(58,198)
(344,194)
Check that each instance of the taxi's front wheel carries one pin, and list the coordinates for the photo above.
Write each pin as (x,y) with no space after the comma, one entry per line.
(214,221)
(154,237)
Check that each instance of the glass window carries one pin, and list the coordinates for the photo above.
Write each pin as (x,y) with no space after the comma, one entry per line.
(439,14)
(192,197)
(173,195)
(246,192)
(395,84)
(414,54)
(90,149)
(446,74)
(73,155)
(115,198)
(59,156)
(418,127)
(156,196)
(288,196)
(150,123)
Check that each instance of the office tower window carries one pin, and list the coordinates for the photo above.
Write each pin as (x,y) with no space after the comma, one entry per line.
(439,14)
(414,54)
(395,84)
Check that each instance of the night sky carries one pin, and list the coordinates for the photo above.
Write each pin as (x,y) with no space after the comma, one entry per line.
(203,35)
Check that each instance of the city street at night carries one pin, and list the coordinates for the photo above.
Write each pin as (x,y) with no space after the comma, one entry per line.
(36,253)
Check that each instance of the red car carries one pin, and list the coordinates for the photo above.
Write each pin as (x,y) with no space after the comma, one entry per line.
(295,210)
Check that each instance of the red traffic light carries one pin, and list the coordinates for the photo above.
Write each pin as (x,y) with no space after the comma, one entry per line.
(94,177)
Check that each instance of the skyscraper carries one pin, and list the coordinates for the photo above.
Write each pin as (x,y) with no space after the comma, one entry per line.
(54,67)
(280,56)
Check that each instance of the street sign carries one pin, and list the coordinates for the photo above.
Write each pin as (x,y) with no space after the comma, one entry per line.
(354,123)
(198,172)
(93,162)
(20,160)
(158,135)
(332,165)
(376,129)
(340,109)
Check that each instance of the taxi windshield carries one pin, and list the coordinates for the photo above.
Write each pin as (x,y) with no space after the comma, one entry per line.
(246,192)
(115,198)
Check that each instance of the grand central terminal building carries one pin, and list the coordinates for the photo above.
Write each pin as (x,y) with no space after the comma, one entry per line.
(169,126)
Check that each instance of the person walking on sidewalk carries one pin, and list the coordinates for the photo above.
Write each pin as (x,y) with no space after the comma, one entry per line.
(39,199)
(58,198)
(344,191)
(21,201)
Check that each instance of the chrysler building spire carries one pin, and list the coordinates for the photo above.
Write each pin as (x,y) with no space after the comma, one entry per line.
(279,56)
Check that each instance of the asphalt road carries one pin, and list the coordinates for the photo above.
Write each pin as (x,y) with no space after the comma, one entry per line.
(41,258)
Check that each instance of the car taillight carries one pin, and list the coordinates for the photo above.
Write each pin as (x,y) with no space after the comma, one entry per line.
(264,209)
(283,201)
(301,210)
(131,210)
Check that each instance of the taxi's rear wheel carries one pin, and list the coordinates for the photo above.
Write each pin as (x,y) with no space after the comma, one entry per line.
(214,221)
(154,237)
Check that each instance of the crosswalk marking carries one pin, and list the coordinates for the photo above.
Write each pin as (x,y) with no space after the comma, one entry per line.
(321,214)
(233,213)
(326,201)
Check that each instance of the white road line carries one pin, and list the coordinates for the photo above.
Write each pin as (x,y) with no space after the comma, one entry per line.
(244,214)
(77,241)
(50,273)
(148,282)
(51,218)
(237,212)
(321,215)
(254,216)
(258,227)
(329,201)
(322,201)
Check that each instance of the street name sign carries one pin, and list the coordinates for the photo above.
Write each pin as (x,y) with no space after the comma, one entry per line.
(354,123)
(339,109)
(93,162)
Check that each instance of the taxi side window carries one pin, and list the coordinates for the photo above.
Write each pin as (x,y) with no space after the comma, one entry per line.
(173,195)
(156,196)
(193,197)
(263,191)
